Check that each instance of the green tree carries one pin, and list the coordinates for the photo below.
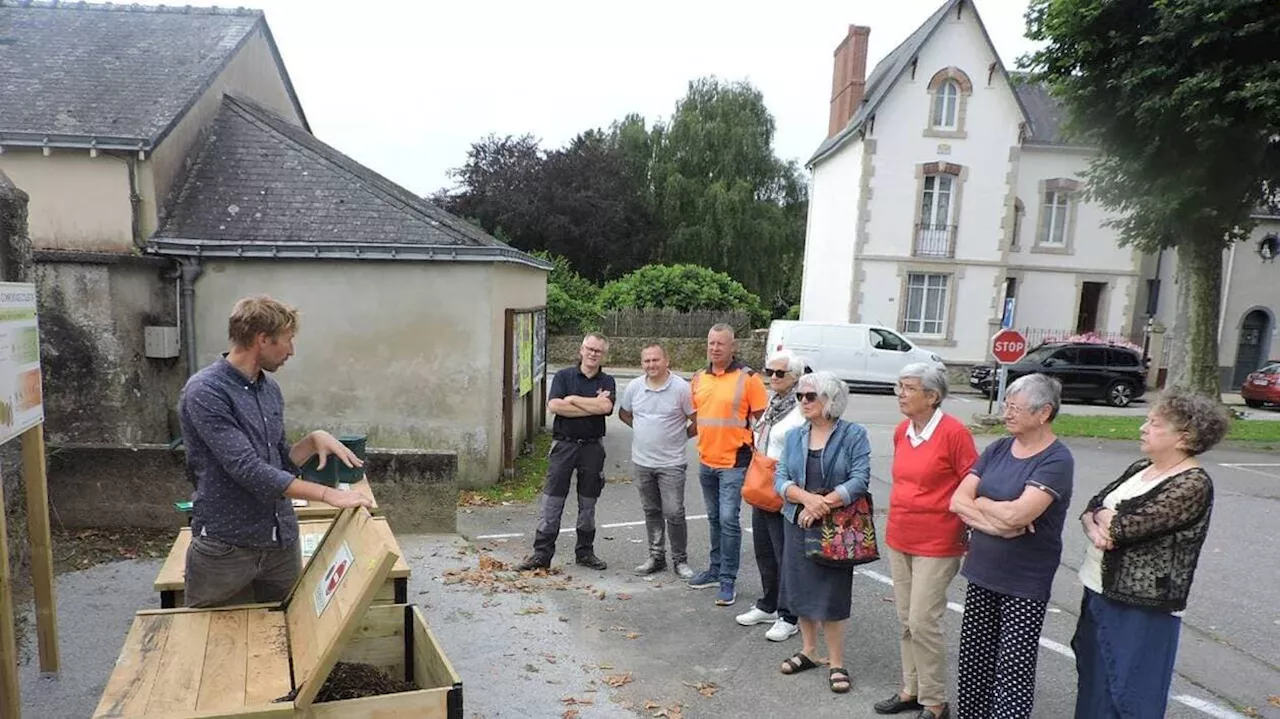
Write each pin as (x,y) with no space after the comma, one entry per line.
(1182,98)
(723,199)
(681,287)
(571,298)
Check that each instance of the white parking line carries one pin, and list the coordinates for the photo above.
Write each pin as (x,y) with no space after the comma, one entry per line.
(1214,710)
(1248,467)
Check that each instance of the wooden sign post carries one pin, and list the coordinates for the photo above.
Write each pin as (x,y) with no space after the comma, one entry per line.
(22,414)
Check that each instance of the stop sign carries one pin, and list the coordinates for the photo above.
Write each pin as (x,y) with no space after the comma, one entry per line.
(1008,346)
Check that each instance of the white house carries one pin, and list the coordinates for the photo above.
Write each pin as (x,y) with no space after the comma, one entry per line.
(943,188)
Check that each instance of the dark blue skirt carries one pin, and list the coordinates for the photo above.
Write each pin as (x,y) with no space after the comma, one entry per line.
(1124,659)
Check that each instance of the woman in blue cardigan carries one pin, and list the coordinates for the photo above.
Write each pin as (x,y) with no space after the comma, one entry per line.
(825,464)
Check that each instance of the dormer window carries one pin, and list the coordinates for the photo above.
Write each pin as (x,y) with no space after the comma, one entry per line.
(946,105)
(949,92)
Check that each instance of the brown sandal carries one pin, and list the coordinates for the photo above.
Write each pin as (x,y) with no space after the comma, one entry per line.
(798,663)
(838,677)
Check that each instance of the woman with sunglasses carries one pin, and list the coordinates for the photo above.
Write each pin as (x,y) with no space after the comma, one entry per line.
(782,415)
(1015,502)
(825,464)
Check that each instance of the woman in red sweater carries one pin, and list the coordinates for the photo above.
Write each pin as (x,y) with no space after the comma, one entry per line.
(932,453)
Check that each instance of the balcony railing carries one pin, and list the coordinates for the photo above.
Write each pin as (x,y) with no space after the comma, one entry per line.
(935,241)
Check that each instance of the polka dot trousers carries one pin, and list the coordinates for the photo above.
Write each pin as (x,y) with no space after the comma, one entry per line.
(999,644)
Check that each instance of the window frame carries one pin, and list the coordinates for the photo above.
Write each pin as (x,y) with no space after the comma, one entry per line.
(948,78)
(923,322)
(1059,208)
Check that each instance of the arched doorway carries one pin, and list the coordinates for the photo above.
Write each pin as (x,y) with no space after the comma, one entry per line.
(1255,339)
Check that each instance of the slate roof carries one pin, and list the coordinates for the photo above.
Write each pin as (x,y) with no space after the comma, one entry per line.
(124,75)
(259,186)
(886,73)
(1044,112)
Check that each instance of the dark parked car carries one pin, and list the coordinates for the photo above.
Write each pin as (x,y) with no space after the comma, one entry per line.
(1262,387)
(1086,371)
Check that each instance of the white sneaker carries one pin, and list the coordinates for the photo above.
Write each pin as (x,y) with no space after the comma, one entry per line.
(754,616)
(781,631)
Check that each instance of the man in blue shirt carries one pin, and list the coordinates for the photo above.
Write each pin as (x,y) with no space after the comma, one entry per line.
(244,530)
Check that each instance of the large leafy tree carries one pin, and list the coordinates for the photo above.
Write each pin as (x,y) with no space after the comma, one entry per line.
(724,200)
(1182,98)
(500,182)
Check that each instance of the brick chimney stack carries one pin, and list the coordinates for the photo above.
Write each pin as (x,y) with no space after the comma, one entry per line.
(849,81)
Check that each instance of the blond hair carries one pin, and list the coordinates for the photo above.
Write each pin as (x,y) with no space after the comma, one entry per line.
(257,315)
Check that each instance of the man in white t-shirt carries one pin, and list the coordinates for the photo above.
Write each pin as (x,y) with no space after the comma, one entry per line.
(659,409)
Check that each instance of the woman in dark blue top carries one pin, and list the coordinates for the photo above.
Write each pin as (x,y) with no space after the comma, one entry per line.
(1015,503)
(825,464)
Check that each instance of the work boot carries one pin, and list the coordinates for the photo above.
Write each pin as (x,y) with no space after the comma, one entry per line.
(591,561)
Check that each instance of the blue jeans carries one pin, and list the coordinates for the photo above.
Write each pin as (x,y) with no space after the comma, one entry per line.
(722,493)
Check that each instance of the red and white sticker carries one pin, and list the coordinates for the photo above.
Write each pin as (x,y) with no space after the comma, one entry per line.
(338,570)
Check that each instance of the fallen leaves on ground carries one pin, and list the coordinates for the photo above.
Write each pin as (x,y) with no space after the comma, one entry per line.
(706,689)
(623,596)
(492,575)
(651,704)
(1274,700)
(474,499)
(617,680)
(1250,712)
(675,711)
(79,549)
(631,635)
(575,701)
(569,714)
(536,609)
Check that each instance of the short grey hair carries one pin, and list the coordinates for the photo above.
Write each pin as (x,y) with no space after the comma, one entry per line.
(795,363)
(932,376)
(1040,390)
(832,392)
(723,327)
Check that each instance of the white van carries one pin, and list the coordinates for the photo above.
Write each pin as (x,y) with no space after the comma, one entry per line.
(865,356)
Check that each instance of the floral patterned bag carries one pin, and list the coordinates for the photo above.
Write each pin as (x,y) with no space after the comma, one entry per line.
(846,537)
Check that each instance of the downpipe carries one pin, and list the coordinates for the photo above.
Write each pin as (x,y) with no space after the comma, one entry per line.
(189,271)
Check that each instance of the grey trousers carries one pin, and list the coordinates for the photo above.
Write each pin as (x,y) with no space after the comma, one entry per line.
(586,459)
(222,575)
(662,499)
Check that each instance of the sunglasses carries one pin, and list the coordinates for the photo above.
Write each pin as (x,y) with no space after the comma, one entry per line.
(806,396)
(779,373)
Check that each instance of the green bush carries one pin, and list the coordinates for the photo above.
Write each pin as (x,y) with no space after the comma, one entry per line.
(793,313)
(567,315)
(685,288)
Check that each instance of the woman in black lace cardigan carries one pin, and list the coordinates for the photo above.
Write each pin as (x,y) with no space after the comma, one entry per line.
(1145,529)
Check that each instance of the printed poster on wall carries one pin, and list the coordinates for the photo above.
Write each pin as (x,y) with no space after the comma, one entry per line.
(524,357)
(21,394)
(539,344)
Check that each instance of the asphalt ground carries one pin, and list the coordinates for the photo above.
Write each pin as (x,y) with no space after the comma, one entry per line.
(542,647)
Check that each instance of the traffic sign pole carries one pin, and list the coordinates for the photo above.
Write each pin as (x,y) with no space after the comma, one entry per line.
(1008,346)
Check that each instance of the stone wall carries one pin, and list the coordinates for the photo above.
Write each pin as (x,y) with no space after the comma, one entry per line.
(118,486)
(687,353)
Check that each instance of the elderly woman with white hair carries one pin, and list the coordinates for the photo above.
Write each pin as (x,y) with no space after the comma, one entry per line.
(932,454)
(1015,502)
(826,464)
(782,371)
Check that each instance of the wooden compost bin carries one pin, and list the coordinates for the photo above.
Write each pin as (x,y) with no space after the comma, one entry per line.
(322,510)
(267,661)
(171,582)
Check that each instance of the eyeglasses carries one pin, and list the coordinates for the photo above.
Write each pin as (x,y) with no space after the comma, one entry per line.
(779,373)
(593,350)
(806,396)
(1014,410)
(901,389)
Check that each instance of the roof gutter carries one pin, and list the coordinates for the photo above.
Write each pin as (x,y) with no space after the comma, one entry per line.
(50,141)
(232,249)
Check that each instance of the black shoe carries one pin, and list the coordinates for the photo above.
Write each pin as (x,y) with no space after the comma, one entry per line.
(928,713)
(895,705)
(591,561)
(531,563)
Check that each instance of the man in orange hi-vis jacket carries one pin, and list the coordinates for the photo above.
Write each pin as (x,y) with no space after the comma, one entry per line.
(727,397)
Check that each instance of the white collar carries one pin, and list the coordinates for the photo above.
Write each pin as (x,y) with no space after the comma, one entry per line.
(927,433)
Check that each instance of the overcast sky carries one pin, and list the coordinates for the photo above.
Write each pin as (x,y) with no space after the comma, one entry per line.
(405,86)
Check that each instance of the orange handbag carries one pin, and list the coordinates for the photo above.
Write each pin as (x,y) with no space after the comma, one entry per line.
(757,488)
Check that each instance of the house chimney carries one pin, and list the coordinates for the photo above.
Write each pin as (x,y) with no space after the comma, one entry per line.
(848,82)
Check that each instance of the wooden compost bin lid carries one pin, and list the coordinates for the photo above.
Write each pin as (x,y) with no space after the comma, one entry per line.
(331,596)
